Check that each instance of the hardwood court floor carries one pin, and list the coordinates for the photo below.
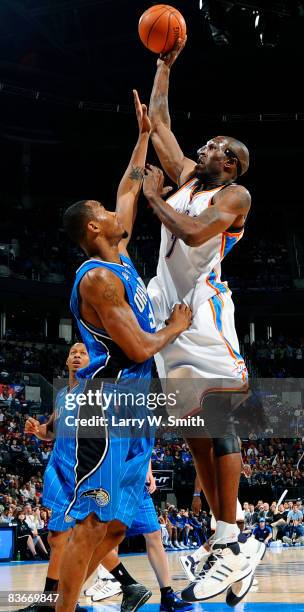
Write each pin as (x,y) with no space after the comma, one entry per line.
(280,576)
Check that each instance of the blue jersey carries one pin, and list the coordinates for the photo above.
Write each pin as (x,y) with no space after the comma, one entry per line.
(65,438)
(107,360)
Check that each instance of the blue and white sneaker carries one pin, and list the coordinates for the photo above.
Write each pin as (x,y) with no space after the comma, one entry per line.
(171,602)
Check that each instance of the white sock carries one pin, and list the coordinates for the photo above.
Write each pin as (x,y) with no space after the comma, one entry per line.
(103,572)
(226,533)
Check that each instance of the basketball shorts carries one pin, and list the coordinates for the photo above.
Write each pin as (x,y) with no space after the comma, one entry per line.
(103,474)
(205,358)
(146,520)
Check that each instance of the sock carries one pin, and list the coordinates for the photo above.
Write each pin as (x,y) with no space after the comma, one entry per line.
(103,573)
(165,591)
(226,533)
(50,585)
(122,575)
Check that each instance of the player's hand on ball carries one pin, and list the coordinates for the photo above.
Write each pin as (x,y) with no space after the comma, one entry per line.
(169,58)
(154,182)
(31,427)
(141,110)
(181,317)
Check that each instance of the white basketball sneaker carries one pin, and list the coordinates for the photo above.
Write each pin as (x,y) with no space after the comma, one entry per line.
(103,588)
(189,566)
(254,552)
(223,568)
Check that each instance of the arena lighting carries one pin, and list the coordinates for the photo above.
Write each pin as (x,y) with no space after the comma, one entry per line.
(214,21)
(282,8)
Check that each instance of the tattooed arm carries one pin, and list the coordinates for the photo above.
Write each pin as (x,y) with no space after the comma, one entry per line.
(131,182)
(104,304)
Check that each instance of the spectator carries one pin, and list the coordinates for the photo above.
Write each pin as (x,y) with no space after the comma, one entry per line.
(27,540)
(294,514)
(293,533)
(262,532)
(279,521)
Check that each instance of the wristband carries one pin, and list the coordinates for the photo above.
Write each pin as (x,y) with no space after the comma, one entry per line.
(196,494)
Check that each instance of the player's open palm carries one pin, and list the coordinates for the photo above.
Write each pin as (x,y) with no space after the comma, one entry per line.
(141,110)
(170,57)
(181,316)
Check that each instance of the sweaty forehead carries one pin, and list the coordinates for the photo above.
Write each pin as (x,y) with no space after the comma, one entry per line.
(220,141)
(78,346)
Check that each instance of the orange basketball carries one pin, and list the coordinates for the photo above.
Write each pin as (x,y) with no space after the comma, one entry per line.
(160,26)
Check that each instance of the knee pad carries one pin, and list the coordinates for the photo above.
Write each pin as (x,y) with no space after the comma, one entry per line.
(220,424)
(226,446)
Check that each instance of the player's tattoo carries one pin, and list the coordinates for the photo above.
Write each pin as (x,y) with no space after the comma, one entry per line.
(137,173)
(111,295)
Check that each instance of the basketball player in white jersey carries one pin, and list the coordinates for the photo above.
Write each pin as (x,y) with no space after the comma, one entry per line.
(201,222)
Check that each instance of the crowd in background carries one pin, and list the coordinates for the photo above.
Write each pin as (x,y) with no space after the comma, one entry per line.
(280,357)
(42,358)
(23,459)
(27,251)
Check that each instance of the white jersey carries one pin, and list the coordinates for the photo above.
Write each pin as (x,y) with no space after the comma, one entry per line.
(183,270)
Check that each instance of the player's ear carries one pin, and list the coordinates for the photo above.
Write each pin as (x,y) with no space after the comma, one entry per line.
(229,163)
(94,226)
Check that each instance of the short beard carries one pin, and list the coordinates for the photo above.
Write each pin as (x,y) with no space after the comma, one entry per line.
(125,234)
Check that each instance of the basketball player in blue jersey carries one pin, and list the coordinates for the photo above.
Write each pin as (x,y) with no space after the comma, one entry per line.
(201,222)
(55,497)
(115,319)
(55,489)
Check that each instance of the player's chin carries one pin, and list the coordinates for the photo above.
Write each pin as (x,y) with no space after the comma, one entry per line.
(125,234)
(199,171)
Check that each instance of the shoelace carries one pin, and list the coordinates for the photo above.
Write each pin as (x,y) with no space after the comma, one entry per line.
(209,566)
(106,588)
(101,584)
(209,563)
(201,564)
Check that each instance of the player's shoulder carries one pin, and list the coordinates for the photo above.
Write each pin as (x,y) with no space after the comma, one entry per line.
(234,189)
(101,276)
(234,194)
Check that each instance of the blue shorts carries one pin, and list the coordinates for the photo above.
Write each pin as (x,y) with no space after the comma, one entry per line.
(103,474)
(57,522)
(146,520)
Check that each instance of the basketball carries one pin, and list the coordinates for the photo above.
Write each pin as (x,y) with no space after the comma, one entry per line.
(160,26)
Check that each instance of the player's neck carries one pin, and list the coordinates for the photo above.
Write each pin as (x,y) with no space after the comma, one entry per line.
(73,382)
(212,182)
(107,252)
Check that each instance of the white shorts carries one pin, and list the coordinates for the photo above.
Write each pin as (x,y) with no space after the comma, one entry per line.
(207,353)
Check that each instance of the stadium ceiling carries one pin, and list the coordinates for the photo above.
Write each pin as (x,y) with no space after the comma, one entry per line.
(283,8)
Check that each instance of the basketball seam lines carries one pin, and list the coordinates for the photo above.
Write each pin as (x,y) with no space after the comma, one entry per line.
(154,24)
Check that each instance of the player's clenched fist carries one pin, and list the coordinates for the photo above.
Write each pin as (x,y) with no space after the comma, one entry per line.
(32,427)
(154,182)
(181,317)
